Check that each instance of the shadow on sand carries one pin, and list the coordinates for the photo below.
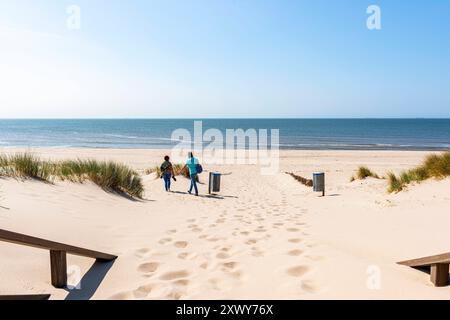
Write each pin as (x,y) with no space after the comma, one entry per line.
(90,282)
(208,196)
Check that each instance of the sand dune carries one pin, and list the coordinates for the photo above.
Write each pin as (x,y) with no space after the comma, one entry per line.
(262,237)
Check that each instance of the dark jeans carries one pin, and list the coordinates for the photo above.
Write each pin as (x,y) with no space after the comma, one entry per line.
(167,177)
(193,183)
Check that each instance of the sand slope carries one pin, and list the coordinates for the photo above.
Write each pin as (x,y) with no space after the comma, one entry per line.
(263,237)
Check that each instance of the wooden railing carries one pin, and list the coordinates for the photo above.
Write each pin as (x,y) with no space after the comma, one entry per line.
(25,297)
(58,254)
(439,267)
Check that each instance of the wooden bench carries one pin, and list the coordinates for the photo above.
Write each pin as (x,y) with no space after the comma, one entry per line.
(439,265)
(58,254)
(25,297)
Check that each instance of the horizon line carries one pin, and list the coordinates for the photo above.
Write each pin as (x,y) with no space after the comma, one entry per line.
(235,118)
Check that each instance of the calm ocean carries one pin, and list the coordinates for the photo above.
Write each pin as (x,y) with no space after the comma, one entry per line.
(336,134)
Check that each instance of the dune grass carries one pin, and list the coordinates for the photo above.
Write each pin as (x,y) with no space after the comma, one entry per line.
(110,176)
(434,166)
(177,168)
(25,166)
(364,173)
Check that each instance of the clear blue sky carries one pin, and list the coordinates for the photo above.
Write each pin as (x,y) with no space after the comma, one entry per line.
(224,58)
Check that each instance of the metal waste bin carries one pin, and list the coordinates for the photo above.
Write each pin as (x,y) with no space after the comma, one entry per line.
(319,182)
(214,182)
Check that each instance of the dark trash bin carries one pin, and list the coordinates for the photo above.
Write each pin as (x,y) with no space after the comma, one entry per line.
(319,182)
(214,182)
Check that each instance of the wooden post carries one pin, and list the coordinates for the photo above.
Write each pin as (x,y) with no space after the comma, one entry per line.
(58,265)
(439,274)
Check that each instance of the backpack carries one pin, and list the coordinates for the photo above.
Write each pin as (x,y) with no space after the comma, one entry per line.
(198,167)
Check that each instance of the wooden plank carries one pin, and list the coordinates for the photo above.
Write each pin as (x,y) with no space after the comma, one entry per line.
(25,297)
(21,239)
(427,261)
(439,274)
(58,265)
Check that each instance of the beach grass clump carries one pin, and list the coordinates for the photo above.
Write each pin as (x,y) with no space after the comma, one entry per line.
(434,166)
(25,166)
(364,173)
(110,176)
(395,184)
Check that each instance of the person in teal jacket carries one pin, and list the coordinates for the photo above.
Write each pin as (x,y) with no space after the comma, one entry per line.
(192,164)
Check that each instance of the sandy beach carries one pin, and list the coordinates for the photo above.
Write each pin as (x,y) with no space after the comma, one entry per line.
(262,237)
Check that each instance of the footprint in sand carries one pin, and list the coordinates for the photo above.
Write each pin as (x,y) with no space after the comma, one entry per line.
(295,240)
(181,244)
(148,267)
(309,287)
(142,252)
(181,283)
(123,296)
(222,255)
(295,253)
(143,291)
(257,253)
(278,224)
(297,271)
(292,230)
(187,256)
(230,266)
(175,275)
(260,230)
(175,295)
(220,284)
(165,241)
(171,231)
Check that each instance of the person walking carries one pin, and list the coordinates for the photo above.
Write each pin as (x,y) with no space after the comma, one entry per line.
(167,173)
(195,168)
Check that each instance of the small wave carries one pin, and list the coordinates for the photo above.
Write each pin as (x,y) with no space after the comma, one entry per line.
(121,136)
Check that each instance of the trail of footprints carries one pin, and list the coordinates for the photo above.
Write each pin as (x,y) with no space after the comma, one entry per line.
(255,219)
